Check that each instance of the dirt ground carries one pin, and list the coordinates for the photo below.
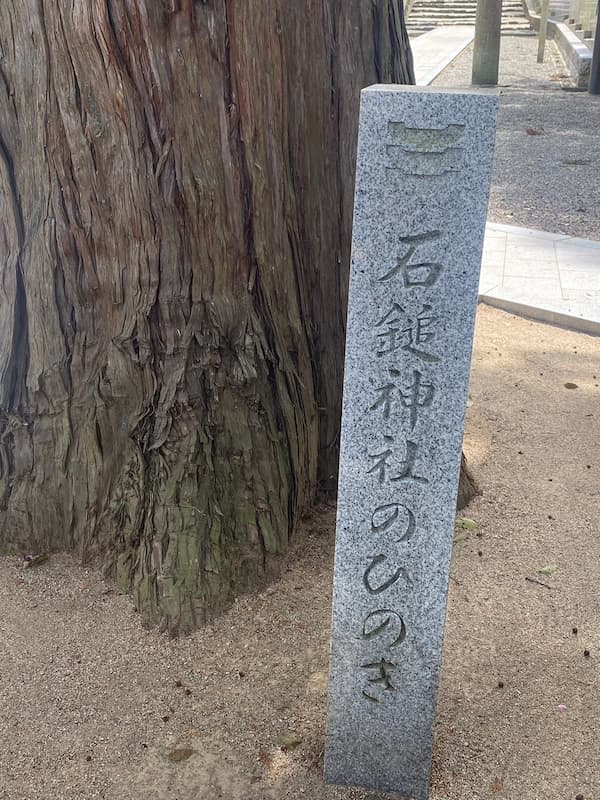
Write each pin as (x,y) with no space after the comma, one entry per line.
(94,706)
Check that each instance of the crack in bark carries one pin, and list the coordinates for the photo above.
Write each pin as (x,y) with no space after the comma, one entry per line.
(252,271)
(14,389)
(402,68)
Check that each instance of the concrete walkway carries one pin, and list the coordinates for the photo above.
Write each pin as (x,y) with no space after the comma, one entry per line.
(545,276)
(551,277)
(433,51)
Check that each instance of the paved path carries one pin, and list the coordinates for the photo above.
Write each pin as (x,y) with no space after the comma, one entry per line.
(433,51)
(552,277)
(547,276)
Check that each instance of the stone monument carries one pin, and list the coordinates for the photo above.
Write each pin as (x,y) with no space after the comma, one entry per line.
(422,183)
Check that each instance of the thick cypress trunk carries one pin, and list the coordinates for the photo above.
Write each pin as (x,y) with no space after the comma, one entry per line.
(175,204)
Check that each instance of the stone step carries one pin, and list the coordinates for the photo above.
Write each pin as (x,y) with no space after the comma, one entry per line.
(461,3)
(414,30)
(442,12)
(456,12)
(450,12)
(428,14)
(445,10)
(440,23)
(455,21)
(419,28)
(440,6)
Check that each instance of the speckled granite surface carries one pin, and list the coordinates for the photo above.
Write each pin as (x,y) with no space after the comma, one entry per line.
(423,172)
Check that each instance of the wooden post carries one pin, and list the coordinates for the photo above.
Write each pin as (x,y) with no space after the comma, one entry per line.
(486,48)
(543,30)
(594,87)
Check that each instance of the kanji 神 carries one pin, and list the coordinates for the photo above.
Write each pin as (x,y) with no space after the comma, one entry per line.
(384,400)
(418,395)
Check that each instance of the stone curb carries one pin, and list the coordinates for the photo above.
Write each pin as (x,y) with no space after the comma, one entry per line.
(577,56)
(540,313)
(553,313)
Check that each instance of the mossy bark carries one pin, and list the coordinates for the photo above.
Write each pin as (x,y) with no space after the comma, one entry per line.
(176,186)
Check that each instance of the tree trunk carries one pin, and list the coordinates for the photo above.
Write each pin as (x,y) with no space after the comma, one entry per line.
(467,488)
(176,184)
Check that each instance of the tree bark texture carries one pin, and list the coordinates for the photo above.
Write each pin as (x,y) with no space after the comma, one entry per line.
(176,185)
(467,487)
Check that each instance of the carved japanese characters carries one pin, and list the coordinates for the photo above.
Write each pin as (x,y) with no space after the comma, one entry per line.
(423,174)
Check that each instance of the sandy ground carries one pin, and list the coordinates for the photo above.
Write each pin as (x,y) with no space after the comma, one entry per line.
(94,706)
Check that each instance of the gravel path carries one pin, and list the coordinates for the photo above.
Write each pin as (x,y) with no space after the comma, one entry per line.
(547,180)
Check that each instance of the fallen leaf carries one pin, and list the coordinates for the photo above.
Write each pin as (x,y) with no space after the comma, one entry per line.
(548,570)
(465,523)
(288,741)
(180,754)
(570,385)
(534,131)
(35,561)
(191,733)
(265,759)
(496,785)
